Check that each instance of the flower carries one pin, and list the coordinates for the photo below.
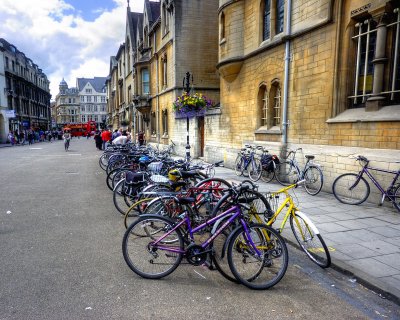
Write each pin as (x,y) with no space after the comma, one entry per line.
(191,103)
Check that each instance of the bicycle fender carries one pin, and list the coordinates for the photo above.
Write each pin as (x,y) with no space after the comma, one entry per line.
(218,222)
(308,221)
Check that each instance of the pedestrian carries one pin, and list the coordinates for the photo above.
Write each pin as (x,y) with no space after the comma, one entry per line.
(141,138)
(22,137)
(105,138)
(97,139)
(30,137)
(10,137)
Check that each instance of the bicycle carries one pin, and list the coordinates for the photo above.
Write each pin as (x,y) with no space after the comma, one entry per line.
(353,188)
(288,172)
(269,163)
(66,144)
(247,164)
(257,254)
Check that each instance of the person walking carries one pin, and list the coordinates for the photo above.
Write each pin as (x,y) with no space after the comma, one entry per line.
(67,139)
(30,137)
(98,140)
(11,138)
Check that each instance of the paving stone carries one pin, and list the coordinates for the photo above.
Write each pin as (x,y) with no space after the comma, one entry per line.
(392,281)
(338,255)
(373,267)
(340,238)
(341,216)
(392,260)
(353,224)
(332,209)
(381,247)
(331,227)
(314,211)
(394,241)
(392,218)
(388,232)
(374,222)
(367,235)
(362,213)
(395,226)
(321,218)
(356,251)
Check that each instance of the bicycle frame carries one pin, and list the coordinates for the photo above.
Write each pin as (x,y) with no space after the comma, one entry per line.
(365,169)
(236,214)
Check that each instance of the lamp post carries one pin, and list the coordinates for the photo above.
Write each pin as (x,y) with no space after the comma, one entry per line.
(186,87)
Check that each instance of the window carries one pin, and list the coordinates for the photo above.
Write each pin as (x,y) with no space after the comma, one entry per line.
(69,100)
(222,27)
(88,98)
(164,71)
(88,90)
(165,122)
(263,105)
(103,99)
(83,108)
(94,109)
(7,64)
(280,14)
(275,111)
(82,98)
(96,118)
(266,19)
(94,98)
(145,81)
(83,118)
(376,61)
(165,19)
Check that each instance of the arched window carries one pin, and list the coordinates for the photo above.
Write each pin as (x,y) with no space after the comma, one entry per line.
(274,111)
(222,27)
(266,19)
(164,75)
(263,105)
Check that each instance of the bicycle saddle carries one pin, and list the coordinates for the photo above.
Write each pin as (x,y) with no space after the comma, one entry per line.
(309,157)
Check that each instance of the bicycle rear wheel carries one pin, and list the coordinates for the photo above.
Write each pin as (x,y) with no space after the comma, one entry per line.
(314,180)
(349,188)
(286,173)
(257,271)
(149,260)
(267,174)
(255,169)
(310,242)
(239,165)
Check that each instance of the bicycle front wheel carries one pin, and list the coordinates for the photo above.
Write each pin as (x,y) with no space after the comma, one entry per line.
(286,173)
(255,169)
(262,269)
(314,180)
(239,166)
(150,249)
(310,242)
(349,188)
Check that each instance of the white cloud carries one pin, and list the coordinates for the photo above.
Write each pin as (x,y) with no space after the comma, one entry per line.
(56,37)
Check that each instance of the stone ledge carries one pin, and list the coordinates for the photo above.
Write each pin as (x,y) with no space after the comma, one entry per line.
(388,113)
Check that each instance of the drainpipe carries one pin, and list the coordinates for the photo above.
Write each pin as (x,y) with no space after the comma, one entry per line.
(157,95)
(285,122)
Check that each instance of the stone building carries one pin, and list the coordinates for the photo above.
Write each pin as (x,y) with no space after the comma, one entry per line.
(162,44)
(322,75)
(67,108)
(24,92)
(92,99)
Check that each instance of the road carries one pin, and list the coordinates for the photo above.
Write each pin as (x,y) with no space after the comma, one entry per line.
(60,246)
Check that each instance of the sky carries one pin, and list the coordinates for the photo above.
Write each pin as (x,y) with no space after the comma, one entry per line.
(66,38)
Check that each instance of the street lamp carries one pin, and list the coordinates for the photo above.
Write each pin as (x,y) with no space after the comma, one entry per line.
(186,87)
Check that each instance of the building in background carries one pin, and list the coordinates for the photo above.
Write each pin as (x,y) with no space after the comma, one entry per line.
(24,93)
(67,106)
(92,100)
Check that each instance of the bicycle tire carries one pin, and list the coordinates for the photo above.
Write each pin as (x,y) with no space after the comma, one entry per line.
(268,175)
(396,202)
(255,169)
(359,191)
(135,210)
(286,173)
(247,267)
(311,243)
(139,236)
(120,199)
(219,257)
(314,180)
(239,166)
(103,161)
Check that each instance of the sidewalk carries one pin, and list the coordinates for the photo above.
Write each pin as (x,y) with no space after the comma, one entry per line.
(364,240)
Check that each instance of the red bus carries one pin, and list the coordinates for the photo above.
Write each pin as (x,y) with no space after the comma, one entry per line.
(81,129)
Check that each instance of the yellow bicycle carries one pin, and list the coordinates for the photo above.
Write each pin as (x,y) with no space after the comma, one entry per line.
(304,230)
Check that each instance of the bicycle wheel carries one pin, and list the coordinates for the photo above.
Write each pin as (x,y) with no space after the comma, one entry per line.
(286,173)
(396,202)
(267,174)
(219,257)
(103,161)
(314,180)
(135,210)
(121,200)
(257,271)
(146,258)
(310,242)
(255,169)
(239,165)
(349,188)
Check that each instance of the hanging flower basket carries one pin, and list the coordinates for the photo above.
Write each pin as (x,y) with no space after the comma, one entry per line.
(190,106)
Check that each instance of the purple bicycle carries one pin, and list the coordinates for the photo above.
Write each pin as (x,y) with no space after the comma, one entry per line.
(352,188)
(154,246)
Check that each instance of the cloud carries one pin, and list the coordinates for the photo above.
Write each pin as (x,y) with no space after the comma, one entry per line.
(55,36)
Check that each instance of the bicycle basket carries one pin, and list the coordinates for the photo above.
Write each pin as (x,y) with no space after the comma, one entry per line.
(157,178)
